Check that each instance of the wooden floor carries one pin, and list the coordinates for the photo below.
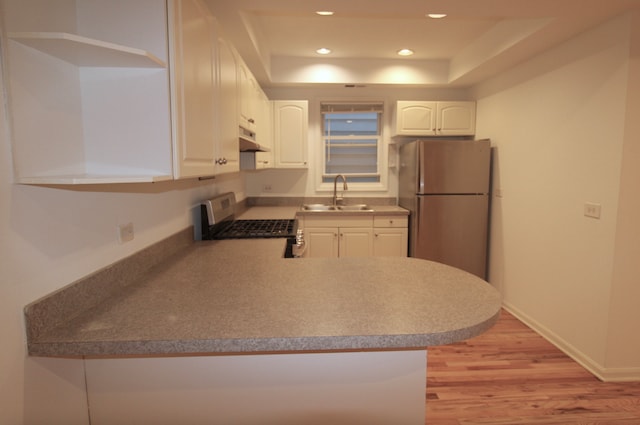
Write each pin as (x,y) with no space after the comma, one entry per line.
(511,375)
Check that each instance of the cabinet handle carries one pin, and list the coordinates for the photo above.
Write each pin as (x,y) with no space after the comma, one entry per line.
(252,121)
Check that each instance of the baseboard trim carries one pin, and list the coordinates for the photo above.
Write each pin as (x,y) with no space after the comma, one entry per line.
(602,373)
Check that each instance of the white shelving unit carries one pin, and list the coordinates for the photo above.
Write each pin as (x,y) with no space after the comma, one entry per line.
(84,51)
(85,110)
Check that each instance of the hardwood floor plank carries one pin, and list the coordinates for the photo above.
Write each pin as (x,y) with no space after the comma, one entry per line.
(511,375)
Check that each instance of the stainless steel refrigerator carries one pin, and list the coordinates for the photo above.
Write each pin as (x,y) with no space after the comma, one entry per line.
(445,185)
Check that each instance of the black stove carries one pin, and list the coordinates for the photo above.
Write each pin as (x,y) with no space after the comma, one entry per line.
(218,222)
(251,229)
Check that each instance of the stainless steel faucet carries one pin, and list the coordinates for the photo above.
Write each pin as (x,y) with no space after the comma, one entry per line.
(335,188)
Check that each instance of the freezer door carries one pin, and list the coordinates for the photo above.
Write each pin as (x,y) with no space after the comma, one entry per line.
(452,229)
(453,166)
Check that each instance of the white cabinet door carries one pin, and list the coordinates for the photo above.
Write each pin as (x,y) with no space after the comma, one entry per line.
(291,133)
(427,118)
(355,242)
(264,132)
(227,154)
(247,97)
(193,85)
(321,242)
(390,242)
(456,118)
(390,236)
(415,118)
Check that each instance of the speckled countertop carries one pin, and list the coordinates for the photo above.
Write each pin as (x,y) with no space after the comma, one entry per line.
(239,296)
(376,210)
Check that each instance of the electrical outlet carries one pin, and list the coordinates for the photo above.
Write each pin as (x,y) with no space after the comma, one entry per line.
(125,233)
(267,188)
(592,210)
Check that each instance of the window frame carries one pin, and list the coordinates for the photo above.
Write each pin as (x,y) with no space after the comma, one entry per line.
(382,159)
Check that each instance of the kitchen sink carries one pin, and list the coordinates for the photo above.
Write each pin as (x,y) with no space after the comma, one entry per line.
(356,207)
(318,207)
(325,207)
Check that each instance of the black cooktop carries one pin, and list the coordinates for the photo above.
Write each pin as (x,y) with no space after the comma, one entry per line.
(247,229)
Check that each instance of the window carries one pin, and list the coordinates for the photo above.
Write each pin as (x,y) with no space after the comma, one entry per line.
(351,141)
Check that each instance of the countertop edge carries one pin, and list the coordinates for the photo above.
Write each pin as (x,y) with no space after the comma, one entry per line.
(234,346)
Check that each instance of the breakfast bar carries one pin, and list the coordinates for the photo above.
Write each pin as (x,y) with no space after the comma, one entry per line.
(231,322)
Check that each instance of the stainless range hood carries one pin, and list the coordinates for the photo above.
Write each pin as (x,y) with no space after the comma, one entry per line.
(248,142)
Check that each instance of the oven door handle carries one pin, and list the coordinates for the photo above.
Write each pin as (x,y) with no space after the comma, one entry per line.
(300,246)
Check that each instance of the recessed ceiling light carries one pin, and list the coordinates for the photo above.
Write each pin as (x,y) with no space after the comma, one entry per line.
(324,12)
(323,51)
(405,52)
(436,15)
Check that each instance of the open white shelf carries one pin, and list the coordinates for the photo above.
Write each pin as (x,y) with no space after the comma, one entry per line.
(83,51)
(92,179)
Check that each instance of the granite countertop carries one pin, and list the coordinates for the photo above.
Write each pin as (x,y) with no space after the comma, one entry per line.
(241,296)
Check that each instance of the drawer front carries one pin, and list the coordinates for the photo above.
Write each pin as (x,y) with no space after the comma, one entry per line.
(352,221)
(390,221)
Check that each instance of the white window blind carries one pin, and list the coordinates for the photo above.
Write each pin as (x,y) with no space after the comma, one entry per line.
(351,138)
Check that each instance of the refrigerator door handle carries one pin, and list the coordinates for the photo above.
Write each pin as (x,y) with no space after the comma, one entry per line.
(416,219)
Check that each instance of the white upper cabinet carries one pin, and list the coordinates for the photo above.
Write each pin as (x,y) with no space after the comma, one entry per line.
(205,93)
(415,118)
(119,92)
(264,132)
(89,100)
(291,133)
(248,97)
(227,150)
(456,119)
(427,118)
(193,82)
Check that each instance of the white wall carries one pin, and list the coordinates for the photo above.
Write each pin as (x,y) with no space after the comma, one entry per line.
(49,238)
(558,123)
(303,182)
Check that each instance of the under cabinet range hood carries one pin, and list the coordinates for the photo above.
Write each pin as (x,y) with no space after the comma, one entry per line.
(248,142)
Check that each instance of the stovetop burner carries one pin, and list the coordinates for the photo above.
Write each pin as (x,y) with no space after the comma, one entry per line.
(217,220)
(246,229)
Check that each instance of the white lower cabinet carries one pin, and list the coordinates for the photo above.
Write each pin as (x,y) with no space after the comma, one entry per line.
(321,242)
(390,236)
(339,241)
(356,236)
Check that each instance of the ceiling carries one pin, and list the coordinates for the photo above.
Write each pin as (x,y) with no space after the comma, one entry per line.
(478,38)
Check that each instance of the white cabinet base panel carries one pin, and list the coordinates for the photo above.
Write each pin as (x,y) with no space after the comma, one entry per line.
(370,388)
